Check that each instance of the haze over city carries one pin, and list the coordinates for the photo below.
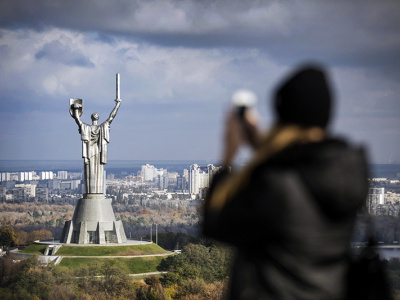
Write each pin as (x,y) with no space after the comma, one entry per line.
(179,63)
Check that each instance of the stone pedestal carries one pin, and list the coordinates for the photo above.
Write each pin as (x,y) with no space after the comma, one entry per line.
(93,223)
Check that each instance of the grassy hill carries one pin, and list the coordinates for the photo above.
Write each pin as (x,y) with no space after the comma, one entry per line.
(111,250)
(35,249)
(127,250)
(125,265)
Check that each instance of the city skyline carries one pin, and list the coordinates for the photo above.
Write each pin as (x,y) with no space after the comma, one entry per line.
(179,63)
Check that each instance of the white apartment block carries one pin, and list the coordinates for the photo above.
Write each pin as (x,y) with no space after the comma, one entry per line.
(62,174)
(44,175)
(194,179)
(161,172)
(23,192)
(5,177)
(375,197)
(25,176)
(200,178)
(149,172)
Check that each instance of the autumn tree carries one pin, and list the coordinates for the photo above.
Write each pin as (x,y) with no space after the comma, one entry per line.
(7,236)
(24,238)
(42,234)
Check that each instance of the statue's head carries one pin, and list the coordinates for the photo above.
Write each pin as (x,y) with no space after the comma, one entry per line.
(95,116)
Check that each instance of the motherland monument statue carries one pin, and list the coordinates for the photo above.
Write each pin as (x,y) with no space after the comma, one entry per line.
(93,221)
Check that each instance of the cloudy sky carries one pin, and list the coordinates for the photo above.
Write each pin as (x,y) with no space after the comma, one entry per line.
(179,63)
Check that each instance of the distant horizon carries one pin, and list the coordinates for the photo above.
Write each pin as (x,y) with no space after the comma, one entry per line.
(388,170)
(162,160)
(77,165)
(150,160)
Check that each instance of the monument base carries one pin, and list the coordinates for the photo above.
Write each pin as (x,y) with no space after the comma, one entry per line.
(93,223)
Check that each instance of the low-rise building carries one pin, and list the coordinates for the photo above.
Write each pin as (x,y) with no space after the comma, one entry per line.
(24,192)
(42,194)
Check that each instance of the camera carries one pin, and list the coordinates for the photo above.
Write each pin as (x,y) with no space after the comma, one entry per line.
(243,100)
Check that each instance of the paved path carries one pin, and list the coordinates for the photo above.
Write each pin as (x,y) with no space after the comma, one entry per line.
(139,274)
(148,274)
(124,256)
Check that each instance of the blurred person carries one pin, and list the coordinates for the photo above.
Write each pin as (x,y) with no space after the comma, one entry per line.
(290,211)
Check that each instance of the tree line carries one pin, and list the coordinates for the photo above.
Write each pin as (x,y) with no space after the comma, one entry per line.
(18,238)
(200,272)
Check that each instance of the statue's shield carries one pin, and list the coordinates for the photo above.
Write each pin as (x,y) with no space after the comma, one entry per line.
(71,106)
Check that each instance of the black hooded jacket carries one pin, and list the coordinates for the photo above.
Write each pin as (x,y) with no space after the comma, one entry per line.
(292,224)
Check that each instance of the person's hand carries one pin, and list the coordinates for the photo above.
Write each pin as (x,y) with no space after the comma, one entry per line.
(233,138)
(239,132)
(250,128)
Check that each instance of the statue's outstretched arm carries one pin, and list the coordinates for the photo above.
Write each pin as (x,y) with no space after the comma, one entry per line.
(114,111)
(76,114)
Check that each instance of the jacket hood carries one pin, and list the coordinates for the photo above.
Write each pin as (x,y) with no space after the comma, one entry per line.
(335,173)
(304,98)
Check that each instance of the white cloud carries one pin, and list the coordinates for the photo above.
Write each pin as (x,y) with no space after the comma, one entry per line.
(180,61)
(161,16)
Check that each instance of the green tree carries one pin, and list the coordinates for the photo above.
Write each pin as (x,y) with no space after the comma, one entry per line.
(7,236)
(175,241)
(197,262)
(49,223)
(36,214)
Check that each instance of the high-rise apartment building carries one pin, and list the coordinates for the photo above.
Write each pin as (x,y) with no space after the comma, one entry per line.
(62,174)
(21,176)
(25,176)
(46,175)
(194,179)
(149,172)
(200,178)
(5,176)
(376,197)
